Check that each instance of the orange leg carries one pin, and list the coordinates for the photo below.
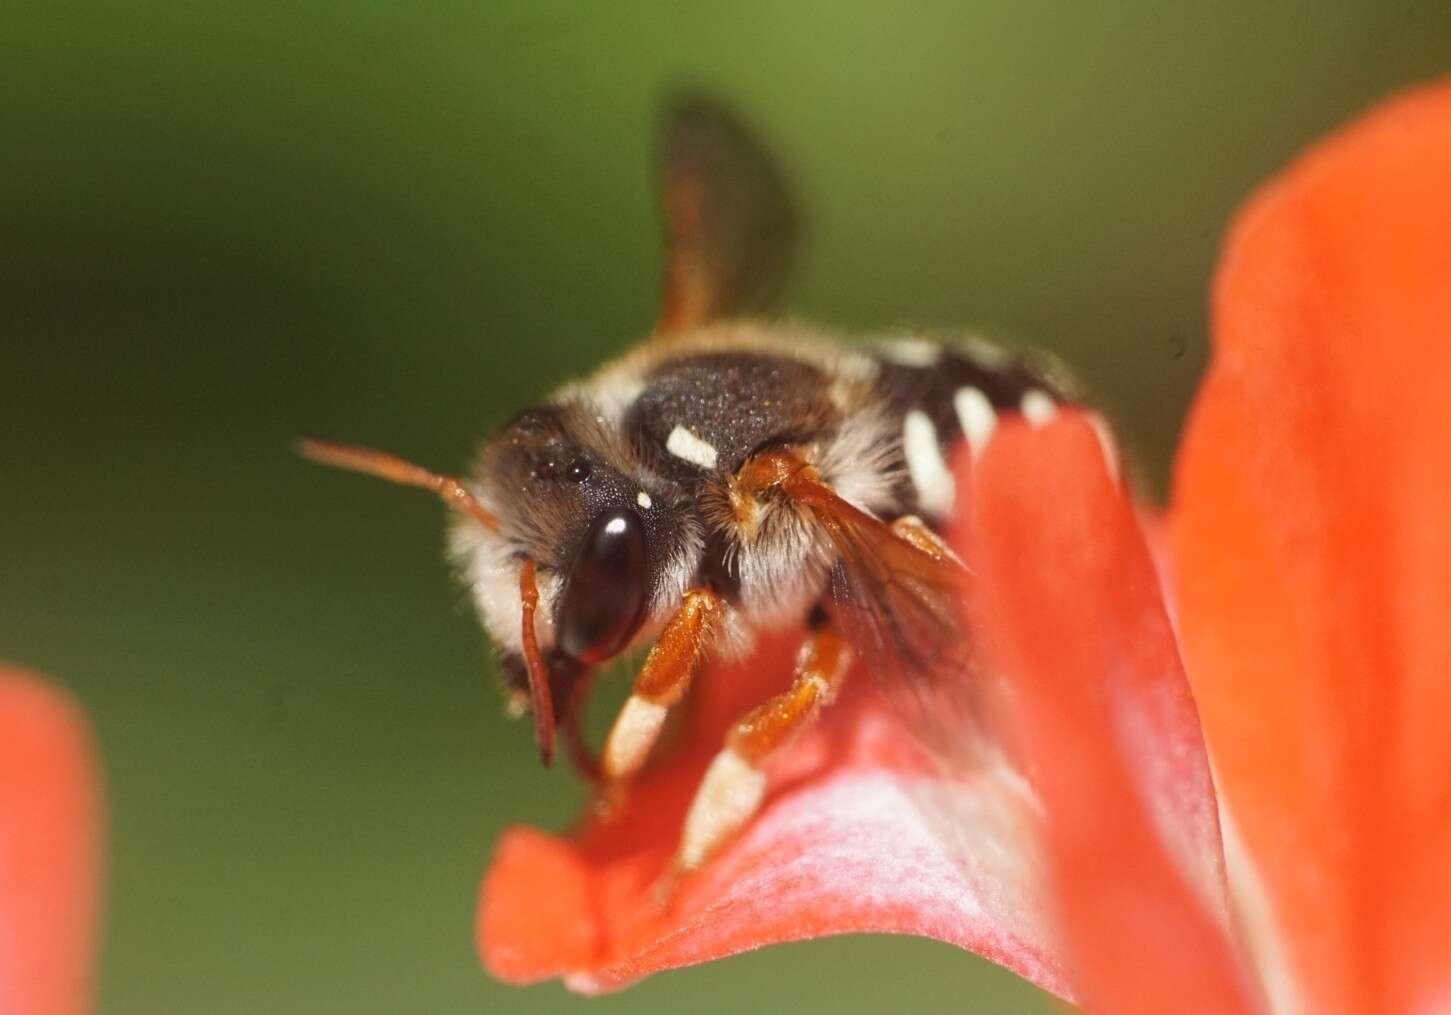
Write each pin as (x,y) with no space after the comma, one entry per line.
(660,684)
(915,531)
(730,792)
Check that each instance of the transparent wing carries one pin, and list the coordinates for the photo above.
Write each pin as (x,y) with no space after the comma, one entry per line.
(899,605)
(730,226)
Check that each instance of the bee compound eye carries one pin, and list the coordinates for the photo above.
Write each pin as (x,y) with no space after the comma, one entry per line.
(604,596)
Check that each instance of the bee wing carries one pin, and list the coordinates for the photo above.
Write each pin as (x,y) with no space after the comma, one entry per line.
(730,227)
(899,605)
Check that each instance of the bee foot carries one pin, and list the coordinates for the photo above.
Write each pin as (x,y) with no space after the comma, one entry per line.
(665,889)
(607,800)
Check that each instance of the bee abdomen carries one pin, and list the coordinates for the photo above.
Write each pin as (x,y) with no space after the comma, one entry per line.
(945,392)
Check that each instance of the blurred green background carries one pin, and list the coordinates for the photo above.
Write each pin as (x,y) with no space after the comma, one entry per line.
(224,224)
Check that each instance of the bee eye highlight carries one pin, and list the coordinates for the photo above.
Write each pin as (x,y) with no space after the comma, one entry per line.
(605,594)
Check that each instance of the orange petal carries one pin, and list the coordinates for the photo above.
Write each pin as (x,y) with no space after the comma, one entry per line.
(861,832)
(48,850)
(849,841)
(1314,555)
(1069,598)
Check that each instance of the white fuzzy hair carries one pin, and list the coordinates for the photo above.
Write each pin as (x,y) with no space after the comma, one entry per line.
(783,563)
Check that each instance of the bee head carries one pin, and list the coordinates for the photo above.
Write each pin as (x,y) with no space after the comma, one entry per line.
(570,496)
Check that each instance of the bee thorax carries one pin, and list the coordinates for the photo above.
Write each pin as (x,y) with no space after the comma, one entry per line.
(661,439)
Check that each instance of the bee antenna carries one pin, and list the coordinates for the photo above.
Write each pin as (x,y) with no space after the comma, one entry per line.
(395,470)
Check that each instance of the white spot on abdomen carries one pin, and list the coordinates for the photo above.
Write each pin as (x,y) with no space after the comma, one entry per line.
(976,416)
(930,476)
(1038,407)
(985,353)
(686,446)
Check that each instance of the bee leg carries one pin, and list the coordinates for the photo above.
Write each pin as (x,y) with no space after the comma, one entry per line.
(660,684)
(730,792)
(585,763)
(915,531)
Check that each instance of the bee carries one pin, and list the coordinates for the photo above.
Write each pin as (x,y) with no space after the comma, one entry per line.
(730,475)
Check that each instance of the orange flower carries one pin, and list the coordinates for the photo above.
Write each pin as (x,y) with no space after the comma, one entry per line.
(1309,531)
(1311,564)
(49,807)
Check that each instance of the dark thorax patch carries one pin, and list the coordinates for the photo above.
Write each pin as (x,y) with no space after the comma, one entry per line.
(731,404)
